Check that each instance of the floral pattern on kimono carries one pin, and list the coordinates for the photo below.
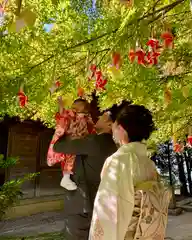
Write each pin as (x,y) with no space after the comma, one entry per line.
(123,211)
(75,125)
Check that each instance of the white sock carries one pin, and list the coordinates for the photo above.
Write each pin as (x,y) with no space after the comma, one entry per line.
(66,176)
(67,183)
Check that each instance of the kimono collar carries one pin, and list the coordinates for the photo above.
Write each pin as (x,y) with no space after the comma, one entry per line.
(135,147)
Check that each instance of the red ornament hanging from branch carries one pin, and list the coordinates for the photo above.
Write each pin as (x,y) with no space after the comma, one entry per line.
(152,57)
(22,98)
(98,76)
(140,54)
(132,55)
(153,44)
(93,69)
(116,60)
(100,82)
(189,140)
(168,39)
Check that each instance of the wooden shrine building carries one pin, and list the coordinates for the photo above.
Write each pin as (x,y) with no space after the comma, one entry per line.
(29,142)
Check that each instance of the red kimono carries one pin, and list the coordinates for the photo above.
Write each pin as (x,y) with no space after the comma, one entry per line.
(75,125)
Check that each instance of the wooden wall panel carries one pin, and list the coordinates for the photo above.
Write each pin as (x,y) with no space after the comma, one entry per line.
(50,177)
(23,143)
(50,182)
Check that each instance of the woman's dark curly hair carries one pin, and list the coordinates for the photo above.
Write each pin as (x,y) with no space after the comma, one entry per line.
(137,121)
(115,109)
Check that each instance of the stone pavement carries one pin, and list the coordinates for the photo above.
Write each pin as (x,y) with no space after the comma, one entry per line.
(179,227)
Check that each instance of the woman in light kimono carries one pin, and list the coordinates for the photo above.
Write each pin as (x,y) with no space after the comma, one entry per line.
(130,203)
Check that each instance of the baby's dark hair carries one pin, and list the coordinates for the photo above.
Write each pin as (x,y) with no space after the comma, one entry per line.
(81,100)
(137,121)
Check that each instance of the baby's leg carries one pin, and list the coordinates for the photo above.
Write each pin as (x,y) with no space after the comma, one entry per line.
(66,181)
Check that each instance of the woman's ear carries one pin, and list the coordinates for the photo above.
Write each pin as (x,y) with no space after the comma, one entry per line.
(123,135)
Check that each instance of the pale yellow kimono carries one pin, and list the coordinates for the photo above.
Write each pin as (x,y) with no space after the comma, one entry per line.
(130,202)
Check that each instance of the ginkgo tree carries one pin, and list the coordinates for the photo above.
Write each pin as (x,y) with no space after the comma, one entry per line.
(88,33)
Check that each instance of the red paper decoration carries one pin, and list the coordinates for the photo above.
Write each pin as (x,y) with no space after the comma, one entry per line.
(153,43)
(189,140)
(132,55)
(116,60)
(23,99)
(178,148)
(168,39)
(93,69)
(98,75)
(140,54)
(151,57)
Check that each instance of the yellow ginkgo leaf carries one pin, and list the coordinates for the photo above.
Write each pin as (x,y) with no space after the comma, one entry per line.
(115,73)
(12,27)
(29,17)
(20,24)
(185,91)
(54,2)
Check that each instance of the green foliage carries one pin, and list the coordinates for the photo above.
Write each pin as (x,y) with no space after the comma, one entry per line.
(5,163)
(35,57)
(10,191)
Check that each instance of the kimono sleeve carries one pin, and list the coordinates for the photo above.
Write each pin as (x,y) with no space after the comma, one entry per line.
(114,202)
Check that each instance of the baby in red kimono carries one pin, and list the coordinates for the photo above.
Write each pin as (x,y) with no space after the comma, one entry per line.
(75,123)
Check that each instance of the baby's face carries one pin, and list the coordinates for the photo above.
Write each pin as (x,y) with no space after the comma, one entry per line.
(80,107)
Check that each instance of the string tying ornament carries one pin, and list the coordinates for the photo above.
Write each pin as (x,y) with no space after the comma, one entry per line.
(22,98)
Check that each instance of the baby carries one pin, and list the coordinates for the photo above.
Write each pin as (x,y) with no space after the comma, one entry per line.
(75,123)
